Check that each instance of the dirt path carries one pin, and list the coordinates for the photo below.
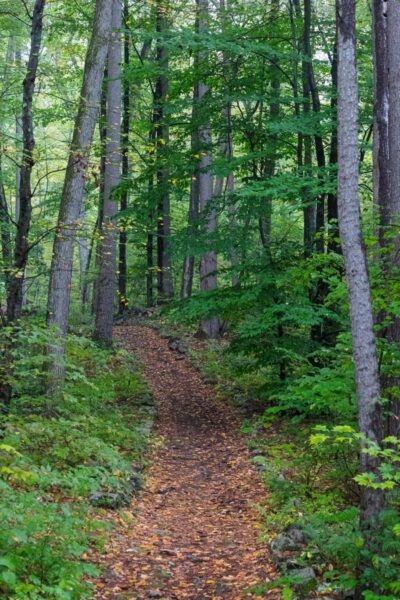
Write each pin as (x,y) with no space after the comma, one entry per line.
(195,529)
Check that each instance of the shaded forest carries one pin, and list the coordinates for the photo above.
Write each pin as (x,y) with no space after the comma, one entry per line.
(199,261)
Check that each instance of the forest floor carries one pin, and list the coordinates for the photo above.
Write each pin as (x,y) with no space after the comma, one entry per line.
(194,531)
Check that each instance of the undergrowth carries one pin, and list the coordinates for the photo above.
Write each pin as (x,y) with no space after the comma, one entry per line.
(51,463)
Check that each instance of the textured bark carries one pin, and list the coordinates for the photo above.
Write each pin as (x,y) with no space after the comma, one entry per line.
(193,213)
(104,314)
(5,232)
(226,148)
(150,223)
(332,212)
(309,204)
(386,20)
(265,221)
(210,327)
(361,316)
(122,270)
(103,141)
(71,199)
(21,249)
(83,254)
(164,263)
(381,118)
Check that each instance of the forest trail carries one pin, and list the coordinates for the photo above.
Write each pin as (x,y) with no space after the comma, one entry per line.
(195,528)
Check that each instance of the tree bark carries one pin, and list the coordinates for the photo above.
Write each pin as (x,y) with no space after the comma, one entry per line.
(193,213)
(358,284)
(122,270)
(332,212)
(21,249)
(71,199)
(386,21)
(5,232)
(309,204)
(104,316)
(209,327)
(164,262)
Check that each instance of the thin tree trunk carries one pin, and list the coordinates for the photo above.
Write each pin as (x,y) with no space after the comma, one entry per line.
(83,253)
(209,327)
(164,263)
(265,222)
(74,183)
(103,141)
(332,212)
(193,213)
(21,250)
(85,289)
(361,316)
(309,204)
(122,270)
(5,232)
(18,136)
(104,316)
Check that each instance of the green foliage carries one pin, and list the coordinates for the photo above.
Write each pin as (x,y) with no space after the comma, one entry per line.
(50,463)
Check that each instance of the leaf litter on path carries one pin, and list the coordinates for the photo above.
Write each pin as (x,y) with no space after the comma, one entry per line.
(194,531)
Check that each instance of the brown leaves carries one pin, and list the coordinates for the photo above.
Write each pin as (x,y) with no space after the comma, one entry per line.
(194,532)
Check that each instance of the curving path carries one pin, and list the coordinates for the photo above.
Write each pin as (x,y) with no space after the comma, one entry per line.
(195,529)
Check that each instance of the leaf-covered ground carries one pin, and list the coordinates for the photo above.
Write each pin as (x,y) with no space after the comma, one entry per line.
(194,532)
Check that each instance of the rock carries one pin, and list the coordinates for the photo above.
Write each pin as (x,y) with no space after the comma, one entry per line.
(297,535)
(108,500)
(281,477)
(155,594)
(281,544)
(176,345)
(135,483)
(260,463)
(306,579)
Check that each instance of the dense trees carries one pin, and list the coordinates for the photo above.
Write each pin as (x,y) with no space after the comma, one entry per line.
(202,160)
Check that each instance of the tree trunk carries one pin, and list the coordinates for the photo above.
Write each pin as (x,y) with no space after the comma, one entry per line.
(361,316)
(5,232)
(83,253)
(193,213)
(122,270)
(309,204)
(103,142)
(209,327)
(164,263)
(332,212)
(112,177)
(72,194)
(386,21)
(21,250)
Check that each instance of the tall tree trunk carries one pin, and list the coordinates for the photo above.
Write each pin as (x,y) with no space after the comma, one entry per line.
(193,213)
(21,250)
(122,270)
(209,327)
(265,223)
(103,142)
(164,263)
(83,254)
(5,232)
(309,204)
(227,151)
(74,183)
(112,177)
(361,316)
(386,21)
(332,212)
